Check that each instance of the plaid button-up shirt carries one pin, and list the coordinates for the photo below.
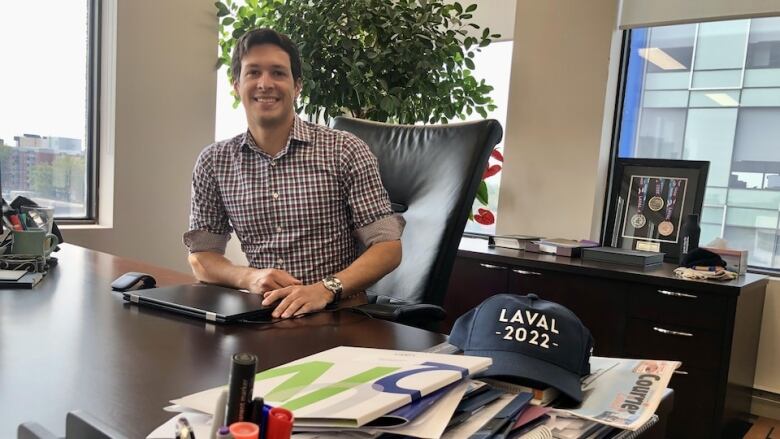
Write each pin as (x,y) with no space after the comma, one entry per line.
(299,211)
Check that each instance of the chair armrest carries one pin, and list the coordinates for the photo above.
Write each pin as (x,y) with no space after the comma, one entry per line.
(405,313)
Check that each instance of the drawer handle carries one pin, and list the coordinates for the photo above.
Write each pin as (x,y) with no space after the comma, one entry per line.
(492,267)
(680,372)
(676,294)
(670,332)
(533,273)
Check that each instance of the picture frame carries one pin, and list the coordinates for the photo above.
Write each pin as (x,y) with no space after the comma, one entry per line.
(648,201)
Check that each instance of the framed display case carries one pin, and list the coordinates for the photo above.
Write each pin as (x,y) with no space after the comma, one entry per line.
(648,201)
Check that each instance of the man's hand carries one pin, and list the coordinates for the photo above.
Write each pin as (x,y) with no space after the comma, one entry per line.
(298,299)
(268,279)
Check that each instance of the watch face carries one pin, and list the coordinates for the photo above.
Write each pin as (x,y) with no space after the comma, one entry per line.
(332,284)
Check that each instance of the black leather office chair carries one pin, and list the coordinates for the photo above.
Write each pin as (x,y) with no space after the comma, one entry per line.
(432,174)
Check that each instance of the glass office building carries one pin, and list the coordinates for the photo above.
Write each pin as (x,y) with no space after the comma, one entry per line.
(711,91)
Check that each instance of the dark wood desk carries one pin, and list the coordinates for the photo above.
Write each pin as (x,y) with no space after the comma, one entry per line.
(70,343)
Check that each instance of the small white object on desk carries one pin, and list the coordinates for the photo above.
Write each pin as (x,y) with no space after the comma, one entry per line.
(12,274)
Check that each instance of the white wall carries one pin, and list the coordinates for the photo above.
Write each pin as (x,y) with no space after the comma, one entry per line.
(768,368)
(561,93)
(164,115)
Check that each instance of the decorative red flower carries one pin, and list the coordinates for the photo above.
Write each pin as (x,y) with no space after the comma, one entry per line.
(484,217)
(496,154)
(491,171)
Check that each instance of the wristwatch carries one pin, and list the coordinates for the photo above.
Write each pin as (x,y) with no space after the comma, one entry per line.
(333,284)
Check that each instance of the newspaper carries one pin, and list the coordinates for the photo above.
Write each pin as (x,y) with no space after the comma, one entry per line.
(624,393)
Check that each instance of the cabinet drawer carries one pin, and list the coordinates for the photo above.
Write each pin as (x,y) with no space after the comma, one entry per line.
(693,415)
(599,303)
(694,347)
(472,281)
(677,306)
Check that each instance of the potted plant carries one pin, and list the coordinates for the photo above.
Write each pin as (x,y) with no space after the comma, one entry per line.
(398,61)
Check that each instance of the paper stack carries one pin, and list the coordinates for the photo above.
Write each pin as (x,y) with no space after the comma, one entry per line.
(363,391)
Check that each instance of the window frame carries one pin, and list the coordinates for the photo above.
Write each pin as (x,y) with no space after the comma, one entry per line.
(617,124)
(92,132)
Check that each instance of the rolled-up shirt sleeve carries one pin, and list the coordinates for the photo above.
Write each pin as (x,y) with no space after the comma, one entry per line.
(372,216)
(209,228)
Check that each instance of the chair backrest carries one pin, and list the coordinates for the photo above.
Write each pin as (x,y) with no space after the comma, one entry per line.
(433,172)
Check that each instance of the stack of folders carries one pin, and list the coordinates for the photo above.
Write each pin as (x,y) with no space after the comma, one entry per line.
(517,242)
(561,247)
(365,393)
(636,258)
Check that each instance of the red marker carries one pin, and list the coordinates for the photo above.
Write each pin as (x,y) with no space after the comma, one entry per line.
(280,423)
(16,223)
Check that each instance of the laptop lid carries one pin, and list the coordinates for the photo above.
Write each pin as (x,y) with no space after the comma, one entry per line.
(213,303)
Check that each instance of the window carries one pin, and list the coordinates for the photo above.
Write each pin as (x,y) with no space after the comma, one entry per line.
(711,91)
(493,64)
(46,116)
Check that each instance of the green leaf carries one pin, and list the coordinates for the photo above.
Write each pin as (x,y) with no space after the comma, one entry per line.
(386,104)
(482,193)
(481,112)
(471,8)
(469,63)
(222,10)
(228,20)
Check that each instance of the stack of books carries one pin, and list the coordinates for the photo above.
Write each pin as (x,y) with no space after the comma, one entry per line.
(561,247)
(518,242)
(623,256)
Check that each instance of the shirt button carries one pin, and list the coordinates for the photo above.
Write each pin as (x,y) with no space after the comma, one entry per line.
(275,195)
(280,261)
(278,229)
(273,163)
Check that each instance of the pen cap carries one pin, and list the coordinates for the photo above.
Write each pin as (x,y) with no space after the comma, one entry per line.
(280,423)
(240,384)
(244,430)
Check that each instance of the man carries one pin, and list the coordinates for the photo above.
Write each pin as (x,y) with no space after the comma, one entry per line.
(296,194)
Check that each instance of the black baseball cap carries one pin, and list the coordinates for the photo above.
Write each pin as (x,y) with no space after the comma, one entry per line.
(529,339)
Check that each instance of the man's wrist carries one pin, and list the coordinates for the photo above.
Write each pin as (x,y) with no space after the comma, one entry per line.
(334,286)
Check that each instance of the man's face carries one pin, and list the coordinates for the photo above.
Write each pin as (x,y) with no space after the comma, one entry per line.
(266,86)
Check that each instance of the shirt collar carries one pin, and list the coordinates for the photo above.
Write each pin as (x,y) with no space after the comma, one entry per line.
(301,133)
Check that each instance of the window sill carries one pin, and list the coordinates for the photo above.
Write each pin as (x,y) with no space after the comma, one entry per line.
(84,227)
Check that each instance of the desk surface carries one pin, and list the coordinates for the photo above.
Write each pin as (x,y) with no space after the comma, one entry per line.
(70,343)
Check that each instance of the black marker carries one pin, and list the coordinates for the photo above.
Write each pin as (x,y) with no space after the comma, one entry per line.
(240,384)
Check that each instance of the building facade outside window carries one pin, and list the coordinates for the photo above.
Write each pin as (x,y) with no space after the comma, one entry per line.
(46,93)
(711,91)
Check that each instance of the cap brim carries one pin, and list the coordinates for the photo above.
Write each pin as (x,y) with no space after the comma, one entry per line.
(512,364)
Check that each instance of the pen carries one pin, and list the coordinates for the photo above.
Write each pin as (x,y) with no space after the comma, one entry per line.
(219,414)
(16,224)
(280,423)
(241,382)
(256,411)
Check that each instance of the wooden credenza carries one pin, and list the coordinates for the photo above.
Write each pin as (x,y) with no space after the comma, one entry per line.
(711,327)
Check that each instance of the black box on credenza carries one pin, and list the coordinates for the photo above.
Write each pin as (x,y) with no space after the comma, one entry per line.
(636,258)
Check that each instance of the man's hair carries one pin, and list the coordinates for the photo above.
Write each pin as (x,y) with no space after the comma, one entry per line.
(259,36)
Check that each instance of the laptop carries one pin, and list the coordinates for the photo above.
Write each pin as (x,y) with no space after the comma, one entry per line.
(212,303)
